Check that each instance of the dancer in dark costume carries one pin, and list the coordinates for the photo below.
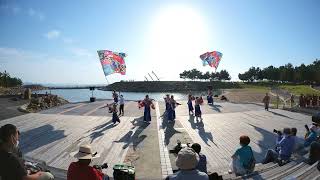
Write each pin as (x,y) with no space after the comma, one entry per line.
(167,102)
(115,117)
(209,97)
(197,108)
(171,110)
(147,103)
(190,106)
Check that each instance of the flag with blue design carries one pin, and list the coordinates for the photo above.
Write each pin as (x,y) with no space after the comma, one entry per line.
(211,58)
(112,62)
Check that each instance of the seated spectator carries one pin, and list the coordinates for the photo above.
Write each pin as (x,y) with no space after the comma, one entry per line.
(311,135)
(187,161)
(11,166)
(314,153)
(202,165)
(296,142)
(283,150)
(243,161)
(81,170)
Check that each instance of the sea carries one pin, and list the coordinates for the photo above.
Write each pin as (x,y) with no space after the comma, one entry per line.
(82,95)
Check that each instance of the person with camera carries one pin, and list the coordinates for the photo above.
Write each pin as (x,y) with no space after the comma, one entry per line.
(284,147)
(11,165)
(81,170)
(311,135)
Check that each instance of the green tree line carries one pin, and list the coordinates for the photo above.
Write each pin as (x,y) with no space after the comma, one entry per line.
(287,73)
(7,81)
(195,74)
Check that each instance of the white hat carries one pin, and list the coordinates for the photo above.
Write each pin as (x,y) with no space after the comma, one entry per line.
(187,159)
(84,153)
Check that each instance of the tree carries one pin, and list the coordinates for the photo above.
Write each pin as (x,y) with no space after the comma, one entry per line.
(224,75)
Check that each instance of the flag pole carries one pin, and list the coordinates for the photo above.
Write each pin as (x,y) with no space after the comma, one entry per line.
(107,80)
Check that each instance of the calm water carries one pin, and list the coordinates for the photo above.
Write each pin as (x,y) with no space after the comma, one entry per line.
(80,95)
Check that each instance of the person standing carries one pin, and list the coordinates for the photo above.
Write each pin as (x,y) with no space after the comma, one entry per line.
(115,97)
(115,117)
(197,108)
(292,100)
(266,101)
(190,106)
(172,109)
(121,108)
(147,103)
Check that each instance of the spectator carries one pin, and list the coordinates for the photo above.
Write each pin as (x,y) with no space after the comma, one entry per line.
(187,161)
(11,166)
(283,150)
(202,165)
(314,154)
(266,101)
(294,136)
(81,170)
(243,161)
(311,135)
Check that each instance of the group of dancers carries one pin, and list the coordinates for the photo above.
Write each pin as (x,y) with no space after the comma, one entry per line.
(170,104)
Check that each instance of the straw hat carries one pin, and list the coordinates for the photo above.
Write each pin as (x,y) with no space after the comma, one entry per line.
(187,159)
(85,152)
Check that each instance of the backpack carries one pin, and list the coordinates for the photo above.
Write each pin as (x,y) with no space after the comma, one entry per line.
(123,172)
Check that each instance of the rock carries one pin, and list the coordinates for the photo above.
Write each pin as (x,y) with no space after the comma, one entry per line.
(27,93)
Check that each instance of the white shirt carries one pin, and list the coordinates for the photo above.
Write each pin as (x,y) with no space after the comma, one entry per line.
(121,100)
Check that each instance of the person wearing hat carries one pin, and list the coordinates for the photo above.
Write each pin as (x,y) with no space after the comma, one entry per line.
(11,165)
(310,136)
(81,170)
(187,161)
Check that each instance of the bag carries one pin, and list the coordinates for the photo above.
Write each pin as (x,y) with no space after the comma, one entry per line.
(123,172)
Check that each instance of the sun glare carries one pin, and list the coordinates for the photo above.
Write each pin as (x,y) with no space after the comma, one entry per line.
(178,34)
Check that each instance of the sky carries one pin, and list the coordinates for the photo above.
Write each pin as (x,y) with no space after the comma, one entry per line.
(56,42)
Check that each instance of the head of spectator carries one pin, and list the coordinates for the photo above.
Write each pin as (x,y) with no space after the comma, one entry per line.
(196,147)
(286,131)
(9,137)
(313,128)
(187,159)
(85,154)
(244,140)
(294,131)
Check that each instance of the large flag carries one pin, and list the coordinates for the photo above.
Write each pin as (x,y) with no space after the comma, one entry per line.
(112,62)
(211,58)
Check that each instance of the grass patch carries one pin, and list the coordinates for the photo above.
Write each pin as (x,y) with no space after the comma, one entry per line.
(300,89)
(256,88)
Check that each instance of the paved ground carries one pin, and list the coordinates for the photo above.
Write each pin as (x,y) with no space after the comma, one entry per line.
(52,134)
(8,107)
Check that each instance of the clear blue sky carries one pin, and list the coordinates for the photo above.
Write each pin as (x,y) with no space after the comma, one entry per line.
(56,41)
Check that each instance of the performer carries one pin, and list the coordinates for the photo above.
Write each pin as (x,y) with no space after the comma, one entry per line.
(115,97)
(266,101)
(115,117)
(209,97)
(190,106)
(147,103)
(167,101)
(197,108)
(121,108)
(172,109)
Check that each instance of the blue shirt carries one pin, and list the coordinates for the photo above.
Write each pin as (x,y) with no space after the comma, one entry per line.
(311,137)
(245,154)
(202,165)
(286,146)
